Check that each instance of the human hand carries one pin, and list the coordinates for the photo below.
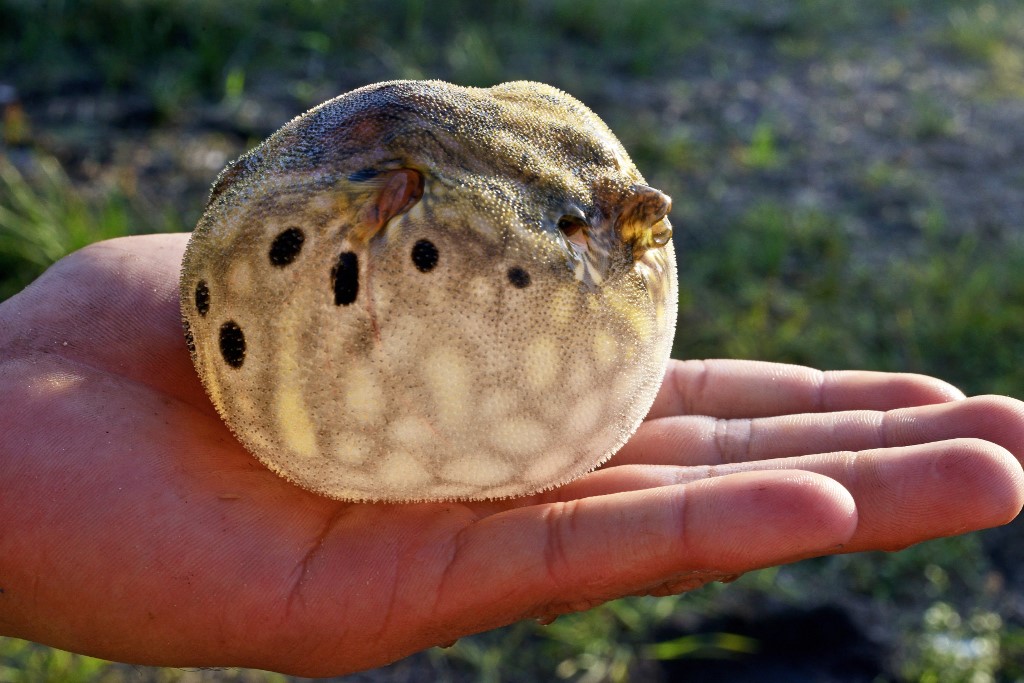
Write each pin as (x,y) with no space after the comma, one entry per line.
(134,526)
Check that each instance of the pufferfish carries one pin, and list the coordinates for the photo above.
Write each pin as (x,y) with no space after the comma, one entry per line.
(418,291)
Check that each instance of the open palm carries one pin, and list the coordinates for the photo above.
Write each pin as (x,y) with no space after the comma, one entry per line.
(134,527)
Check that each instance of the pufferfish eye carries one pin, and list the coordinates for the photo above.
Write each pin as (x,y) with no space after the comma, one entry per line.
(573,225)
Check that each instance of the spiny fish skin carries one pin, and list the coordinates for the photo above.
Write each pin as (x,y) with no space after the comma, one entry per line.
(418,291)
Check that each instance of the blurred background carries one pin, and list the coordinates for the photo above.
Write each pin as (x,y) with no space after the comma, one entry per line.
(848,185)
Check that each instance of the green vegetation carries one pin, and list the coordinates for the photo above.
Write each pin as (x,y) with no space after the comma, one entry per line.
(880,274)
(788,284)
(179,51)
(22,662)
(42,218)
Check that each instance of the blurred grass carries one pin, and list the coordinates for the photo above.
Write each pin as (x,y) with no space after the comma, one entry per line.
(775,279)
(43,217)
(786,284)
(180,50)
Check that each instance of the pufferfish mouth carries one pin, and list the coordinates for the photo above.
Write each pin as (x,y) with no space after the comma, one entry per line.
(642,223)
(612,247)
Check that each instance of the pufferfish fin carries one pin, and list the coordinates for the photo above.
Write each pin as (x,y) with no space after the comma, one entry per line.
(390,193)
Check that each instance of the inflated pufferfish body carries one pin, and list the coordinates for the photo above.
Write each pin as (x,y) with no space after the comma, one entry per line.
(418,291)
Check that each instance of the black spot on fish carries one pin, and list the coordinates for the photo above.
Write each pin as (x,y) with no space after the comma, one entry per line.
(286,247)
(345,279)
(202,297)
(519,278)
(190,340)
(424,255)
(232,344)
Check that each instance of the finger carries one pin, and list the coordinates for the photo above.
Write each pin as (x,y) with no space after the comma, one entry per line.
(738,388)
(697,440)
(903,495)
(999,419)
(550,558)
